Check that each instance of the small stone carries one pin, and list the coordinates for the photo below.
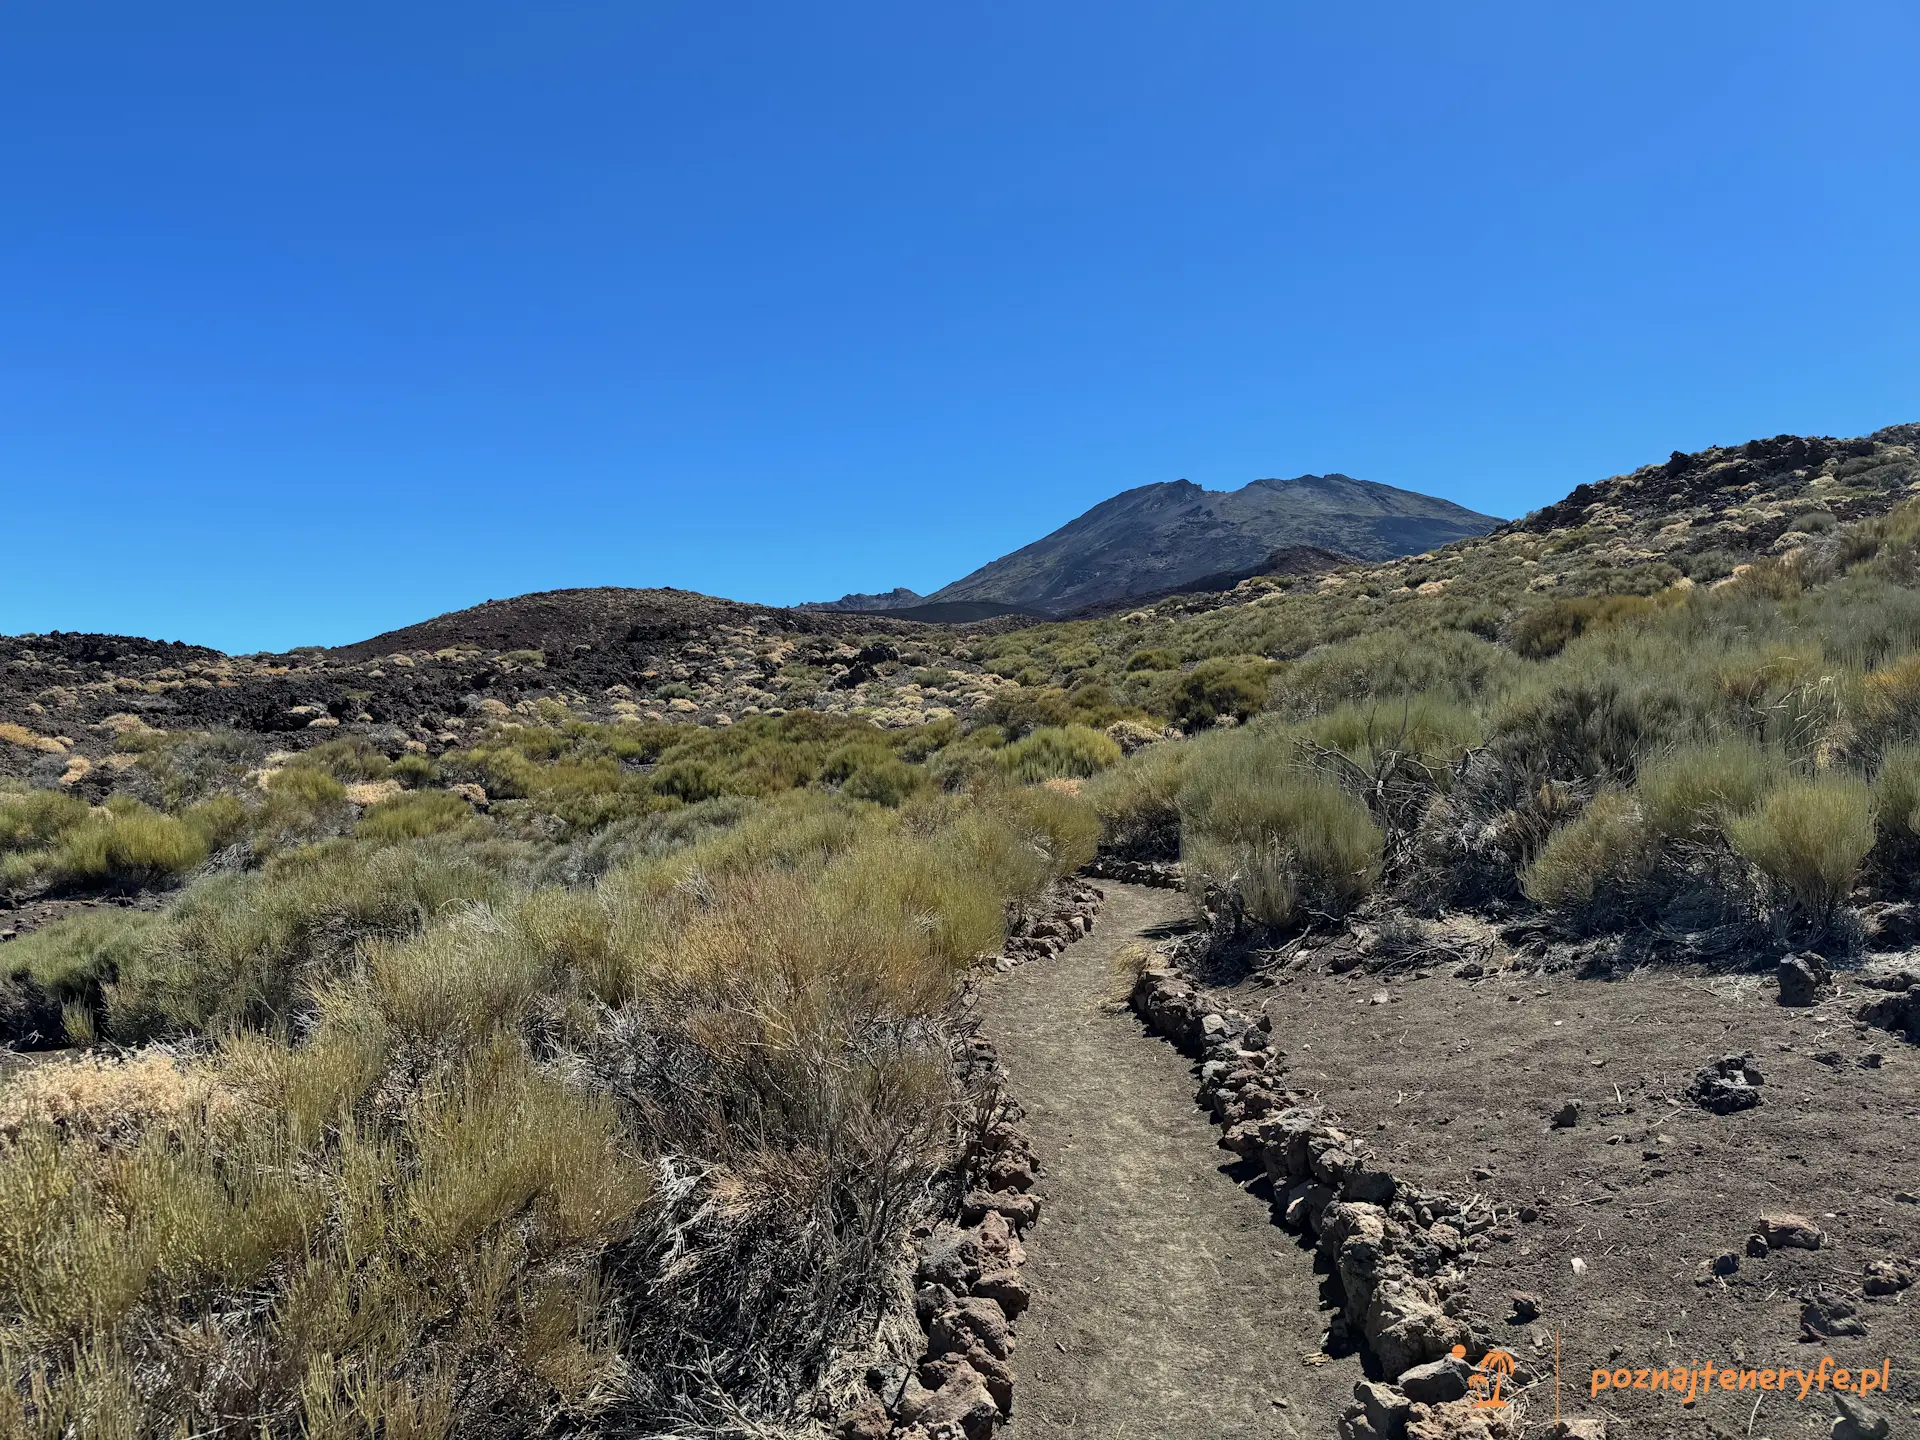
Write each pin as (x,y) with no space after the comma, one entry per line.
(1727,1085)
(1567,1116)
(1583,1427)
(1528,1214)
(869,1422)
(1858,1421)
(1887,1277)
(1726,1264)
(1782,1230)
(1830,1314)
(1757,1247)
(1437,1382)
(1801,979)
(1525,1307)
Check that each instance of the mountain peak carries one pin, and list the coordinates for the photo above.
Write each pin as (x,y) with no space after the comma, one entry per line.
(1155,539)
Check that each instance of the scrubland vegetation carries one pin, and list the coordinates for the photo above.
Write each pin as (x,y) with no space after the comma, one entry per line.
(1710,768)
(569,1076)
(609,1105)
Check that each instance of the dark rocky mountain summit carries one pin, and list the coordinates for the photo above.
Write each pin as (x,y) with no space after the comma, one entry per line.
(1159,539)
(898,598)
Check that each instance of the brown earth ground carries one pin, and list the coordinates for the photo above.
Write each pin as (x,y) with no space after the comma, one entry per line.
(1455,1081)
(1165,1302)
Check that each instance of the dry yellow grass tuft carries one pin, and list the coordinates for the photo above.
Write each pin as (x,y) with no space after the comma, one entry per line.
(26,739)
(372,792)
(109,1098)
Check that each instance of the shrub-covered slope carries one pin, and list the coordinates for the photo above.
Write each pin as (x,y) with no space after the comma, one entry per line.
(528,1057)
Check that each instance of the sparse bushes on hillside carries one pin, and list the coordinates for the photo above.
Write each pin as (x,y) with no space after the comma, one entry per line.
(755,1101)
(1547,629)
(1389,664)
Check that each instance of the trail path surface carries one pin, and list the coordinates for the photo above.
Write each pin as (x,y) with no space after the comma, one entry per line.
(1166,1303)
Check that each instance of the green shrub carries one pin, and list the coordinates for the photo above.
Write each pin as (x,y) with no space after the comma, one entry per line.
(1810,838)
(1590,866)
(1588,727)
(302,804)
(219,821)
(240,950)
(1224,687)
(1896,795)
(1426,725)
(1064,825)
(1281,838)
(1063,752)
(71,958)
(415,772)
(1138,801)
(1890,704)
(415,814)
(1386,664)
(1152,660)
(35,819)
(868,770)
(1546,629)
(1693,791)
(350,759)
(128,847)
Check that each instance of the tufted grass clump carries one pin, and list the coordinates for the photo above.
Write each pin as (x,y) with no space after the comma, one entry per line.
(1896,795)
(249,950)
(1058,752)
(417,814)
(1810,838)
(1693,791)
(1283,839)
(1590,867)
(1138,801)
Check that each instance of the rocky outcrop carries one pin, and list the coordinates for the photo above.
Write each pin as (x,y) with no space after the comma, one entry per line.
(1400,1254)
(1898,1011)
(1060,917)
(1160,874)
(968,1290)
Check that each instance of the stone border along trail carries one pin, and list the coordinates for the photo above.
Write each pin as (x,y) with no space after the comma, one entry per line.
(1165,1304)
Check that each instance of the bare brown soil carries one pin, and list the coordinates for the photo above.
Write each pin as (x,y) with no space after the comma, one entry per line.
(1455,1083)
(1165,1303)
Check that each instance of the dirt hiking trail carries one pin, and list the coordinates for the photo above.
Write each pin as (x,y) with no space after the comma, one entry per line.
(1166,1303)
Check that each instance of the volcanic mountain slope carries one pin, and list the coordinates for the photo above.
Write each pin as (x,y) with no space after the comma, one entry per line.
(1160,538)
(605,654)
(609,654)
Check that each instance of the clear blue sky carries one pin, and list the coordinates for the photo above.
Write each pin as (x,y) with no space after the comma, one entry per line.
(316,319)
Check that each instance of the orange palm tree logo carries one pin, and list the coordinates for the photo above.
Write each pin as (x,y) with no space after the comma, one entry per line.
(1494,1369)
